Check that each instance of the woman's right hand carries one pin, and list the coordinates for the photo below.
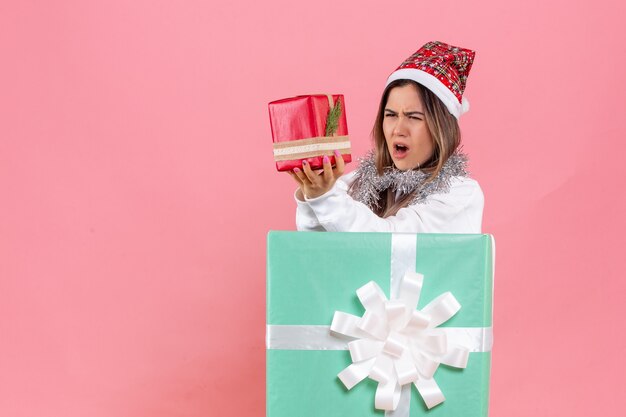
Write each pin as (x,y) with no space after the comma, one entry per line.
(316,183)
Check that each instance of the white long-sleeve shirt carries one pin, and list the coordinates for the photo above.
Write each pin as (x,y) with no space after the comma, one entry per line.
(458,211)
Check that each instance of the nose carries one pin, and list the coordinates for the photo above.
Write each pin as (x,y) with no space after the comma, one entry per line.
(399,128)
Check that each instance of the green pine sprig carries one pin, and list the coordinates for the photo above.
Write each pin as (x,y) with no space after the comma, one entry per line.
(332,121)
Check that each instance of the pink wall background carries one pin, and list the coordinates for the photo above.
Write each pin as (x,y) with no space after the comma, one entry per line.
(138,186)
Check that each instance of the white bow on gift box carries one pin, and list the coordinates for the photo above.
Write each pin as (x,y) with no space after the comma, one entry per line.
(396,344)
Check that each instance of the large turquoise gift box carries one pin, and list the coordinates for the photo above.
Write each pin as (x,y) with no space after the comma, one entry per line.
(378,324)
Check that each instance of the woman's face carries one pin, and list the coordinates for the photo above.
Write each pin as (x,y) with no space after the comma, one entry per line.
(408,140)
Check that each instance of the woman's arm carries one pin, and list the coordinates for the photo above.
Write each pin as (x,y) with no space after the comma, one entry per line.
(314,184)
(306,220)
(327,206)
(458,211)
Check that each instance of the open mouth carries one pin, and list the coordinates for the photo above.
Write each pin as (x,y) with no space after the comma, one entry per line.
(400,149)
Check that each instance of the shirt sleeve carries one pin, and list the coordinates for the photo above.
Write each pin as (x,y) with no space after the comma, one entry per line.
(306,220)
(457,211)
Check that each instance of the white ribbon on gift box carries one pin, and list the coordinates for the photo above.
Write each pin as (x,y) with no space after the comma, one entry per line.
(393,343)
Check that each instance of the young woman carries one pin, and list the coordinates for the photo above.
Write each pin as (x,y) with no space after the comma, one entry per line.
(415,180)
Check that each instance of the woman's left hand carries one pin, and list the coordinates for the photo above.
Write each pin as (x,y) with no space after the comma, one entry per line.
(316,183)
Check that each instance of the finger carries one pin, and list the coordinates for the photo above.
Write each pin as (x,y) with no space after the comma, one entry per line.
(300,175)
(310,175)
(295,177)
(328,169)
(340,164)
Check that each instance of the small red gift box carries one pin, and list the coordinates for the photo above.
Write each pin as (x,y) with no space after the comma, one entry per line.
(299,130)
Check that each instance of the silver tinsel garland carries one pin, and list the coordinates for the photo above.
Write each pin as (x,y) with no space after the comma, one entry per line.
(368,184)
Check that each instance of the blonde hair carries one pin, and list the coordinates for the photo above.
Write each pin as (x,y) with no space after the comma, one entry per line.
(444,130)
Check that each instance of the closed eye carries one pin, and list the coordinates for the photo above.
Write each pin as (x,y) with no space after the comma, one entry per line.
(415,115)
(411,115)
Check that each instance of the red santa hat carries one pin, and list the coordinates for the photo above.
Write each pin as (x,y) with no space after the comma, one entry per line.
(441,68)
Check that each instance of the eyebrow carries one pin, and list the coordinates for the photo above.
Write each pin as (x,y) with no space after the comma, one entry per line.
(410,113)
